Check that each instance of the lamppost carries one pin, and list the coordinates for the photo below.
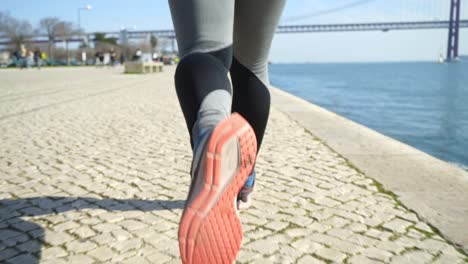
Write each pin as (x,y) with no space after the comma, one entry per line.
(85,38)
(87,7)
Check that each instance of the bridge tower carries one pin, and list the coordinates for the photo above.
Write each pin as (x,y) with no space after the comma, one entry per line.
(454,29)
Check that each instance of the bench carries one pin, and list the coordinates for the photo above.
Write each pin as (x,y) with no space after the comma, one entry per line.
(143,67)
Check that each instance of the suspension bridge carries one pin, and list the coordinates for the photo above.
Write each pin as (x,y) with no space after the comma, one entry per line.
(415,15)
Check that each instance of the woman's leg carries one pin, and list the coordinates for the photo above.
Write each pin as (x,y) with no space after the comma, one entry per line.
(255,23)
(204,30)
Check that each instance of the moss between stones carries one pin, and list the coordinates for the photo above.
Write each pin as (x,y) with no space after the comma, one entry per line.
(321,258)
(425,233)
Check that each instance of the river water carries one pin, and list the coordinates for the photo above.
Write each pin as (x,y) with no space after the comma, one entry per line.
(423,104)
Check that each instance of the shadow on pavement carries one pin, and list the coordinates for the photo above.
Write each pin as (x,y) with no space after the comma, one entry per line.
(21,241)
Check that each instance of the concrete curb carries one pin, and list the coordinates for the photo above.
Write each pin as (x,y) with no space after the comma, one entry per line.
(436,190)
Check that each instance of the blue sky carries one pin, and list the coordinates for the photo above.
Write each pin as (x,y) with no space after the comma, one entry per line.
(112,15)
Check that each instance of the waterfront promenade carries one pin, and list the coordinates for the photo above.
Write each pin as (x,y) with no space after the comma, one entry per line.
(94,168)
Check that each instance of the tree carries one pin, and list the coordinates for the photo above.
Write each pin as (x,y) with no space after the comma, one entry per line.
(65,30)
(48,25)
(18,31)
(153,41)
(101,38)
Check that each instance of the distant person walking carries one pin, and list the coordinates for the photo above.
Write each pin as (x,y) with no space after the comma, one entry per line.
(23,56)
(38,58)
(30,59)
(99,58)
(113,57)
(137,55)
(216,38)
(17,57)
(122,58)
(44,57)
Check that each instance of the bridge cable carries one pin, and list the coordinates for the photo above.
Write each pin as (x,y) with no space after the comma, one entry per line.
(327,11)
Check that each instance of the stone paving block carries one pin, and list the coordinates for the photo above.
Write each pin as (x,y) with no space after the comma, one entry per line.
(65,226)
(306,245)
(162,242)
(83,231)
(324,239)
(302,221)
(80,259)
(336,222)
(53,253)
(106,227)
(121,234)
(390,246)
(340,232)
(247,256)
(362,260)
(424,227)
(54,261)
(380,235)
(102,253)
(111,217)
(398,225)
(413,233)
(450,250)
(23,226)
(276,225)
(413,257)
(331,254)
(7,253)
(31,246)
(79,246)
(445,258)
(121,257)
(327,202)
(363,241)
(103,239)
(57,238)
(347,247)
(293,253)
(90,221)
(265,247)
(7,234)
(132,225)
(321,215)
(308,259)
(158,258)
(259,233)
(375,253)
(16,240)
(137,259)
(410,217)
(407,242)
(22,258)
(127,245)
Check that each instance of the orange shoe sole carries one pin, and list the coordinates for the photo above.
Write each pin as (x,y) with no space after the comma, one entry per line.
(210,230)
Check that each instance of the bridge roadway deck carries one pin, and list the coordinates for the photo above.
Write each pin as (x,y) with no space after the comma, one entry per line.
(284,29)
(95,168)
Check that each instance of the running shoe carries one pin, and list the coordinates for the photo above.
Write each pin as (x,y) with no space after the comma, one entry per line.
(244,199)
(210,230)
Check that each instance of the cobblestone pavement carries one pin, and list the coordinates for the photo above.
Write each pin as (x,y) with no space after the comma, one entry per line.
(94,169)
